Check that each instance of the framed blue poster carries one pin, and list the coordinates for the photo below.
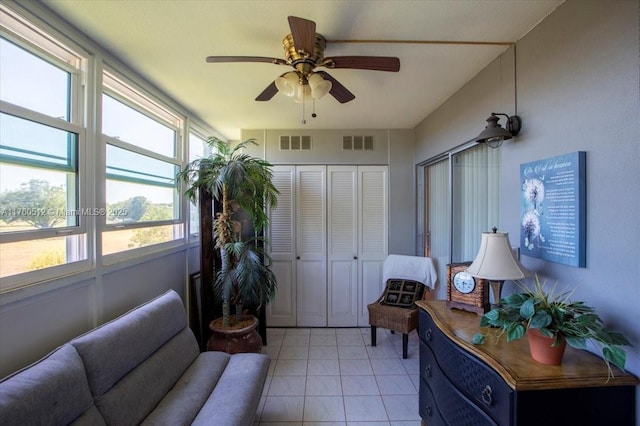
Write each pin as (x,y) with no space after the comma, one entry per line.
(553,209)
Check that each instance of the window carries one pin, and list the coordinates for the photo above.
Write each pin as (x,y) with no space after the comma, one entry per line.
(41,140)
(38,179)
(142,146)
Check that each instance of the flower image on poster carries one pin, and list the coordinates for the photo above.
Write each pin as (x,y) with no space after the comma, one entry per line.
(552,214)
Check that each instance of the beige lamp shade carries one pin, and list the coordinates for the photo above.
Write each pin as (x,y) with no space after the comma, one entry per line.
(495,260)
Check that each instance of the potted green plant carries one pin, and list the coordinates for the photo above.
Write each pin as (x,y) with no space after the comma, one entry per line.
(552,315)
(237,181)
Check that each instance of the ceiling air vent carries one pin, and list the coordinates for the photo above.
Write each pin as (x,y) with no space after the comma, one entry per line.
(295,143)
(357,143)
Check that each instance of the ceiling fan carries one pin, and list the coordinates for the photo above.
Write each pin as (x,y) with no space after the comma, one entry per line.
(304,51)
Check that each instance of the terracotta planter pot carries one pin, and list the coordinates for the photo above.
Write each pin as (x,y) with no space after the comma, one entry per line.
(238,339)
(542,350)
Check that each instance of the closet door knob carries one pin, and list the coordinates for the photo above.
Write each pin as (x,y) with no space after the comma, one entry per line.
(298,257)
(355,257)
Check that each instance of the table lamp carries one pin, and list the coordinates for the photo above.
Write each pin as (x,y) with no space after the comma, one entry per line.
(496,263)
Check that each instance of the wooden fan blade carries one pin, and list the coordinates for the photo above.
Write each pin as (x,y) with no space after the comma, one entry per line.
(303,32)
(218,59)
(268,93)
(338,91)
(375,63)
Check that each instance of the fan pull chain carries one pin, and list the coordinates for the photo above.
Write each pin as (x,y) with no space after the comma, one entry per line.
(313,114)
(303,102)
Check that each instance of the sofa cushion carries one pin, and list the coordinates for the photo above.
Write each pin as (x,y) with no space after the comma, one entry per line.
(52,391)
(125,342)
(182,403)
(237,394)
(134,396)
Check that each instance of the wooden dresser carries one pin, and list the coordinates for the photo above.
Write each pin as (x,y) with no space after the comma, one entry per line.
(500,384)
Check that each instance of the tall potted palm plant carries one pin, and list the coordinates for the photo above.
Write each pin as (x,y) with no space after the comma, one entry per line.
(237,181)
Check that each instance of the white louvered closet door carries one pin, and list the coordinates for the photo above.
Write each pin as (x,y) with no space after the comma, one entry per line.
(342,246)
(311,249)
(328,241)
(281,312)
(373,206)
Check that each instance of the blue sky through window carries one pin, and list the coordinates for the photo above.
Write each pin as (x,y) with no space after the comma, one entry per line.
(28,81)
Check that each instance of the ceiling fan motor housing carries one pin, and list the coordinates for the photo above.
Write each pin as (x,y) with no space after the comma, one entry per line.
(303,61)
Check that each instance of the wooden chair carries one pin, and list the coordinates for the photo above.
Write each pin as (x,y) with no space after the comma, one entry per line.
(396,319)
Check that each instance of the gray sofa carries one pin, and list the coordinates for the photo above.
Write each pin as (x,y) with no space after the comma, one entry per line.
(144,367)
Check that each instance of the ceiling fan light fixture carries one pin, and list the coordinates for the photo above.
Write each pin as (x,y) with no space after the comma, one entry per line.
(303,93)
(304,51)
(288,83)
(319,86)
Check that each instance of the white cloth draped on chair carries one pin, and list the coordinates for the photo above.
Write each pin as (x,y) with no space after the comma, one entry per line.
(414,268)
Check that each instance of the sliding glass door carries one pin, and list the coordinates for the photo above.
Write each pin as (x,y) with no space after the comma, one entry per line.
(460,200)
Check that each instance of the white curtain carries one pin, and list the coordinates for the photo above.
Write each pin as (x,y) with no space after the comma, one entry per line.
(476,198)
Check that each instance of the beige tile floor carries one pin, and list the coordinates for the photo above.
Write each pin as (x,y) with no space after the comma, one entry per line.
(333,376)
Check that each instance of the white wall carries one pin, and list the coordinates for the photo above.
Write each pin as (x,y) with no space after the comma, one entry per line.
(32,327)
(402,193)
(577,90)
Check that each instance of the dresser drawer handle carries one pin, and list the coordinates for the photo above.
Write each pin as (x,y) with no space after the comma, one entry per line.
(487,395)
(427,334)
(427,371)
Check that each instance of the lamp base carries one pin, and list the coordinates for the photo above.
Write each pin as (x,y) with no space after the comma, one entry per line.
(496,290)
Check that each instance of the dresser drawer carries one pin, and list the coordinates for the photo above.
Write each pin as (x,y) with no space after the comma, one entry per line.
(478,382)
(428,407)
(452,405)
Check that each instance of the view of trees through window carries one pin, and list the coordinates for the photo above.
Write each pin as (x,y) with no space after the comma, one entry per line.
(140,209)
(37,204)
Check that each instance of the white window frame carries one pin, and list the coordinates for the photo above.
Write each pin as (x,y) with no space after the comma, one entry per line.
(121,89)
(66,55)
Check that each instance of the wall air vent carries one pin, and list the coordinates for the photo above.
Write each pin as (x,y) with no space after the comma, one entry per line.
(295,143)
(357,143)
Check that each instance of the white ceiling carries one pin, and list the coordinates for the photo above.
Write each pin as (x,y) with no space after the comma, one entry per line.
(166,41)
